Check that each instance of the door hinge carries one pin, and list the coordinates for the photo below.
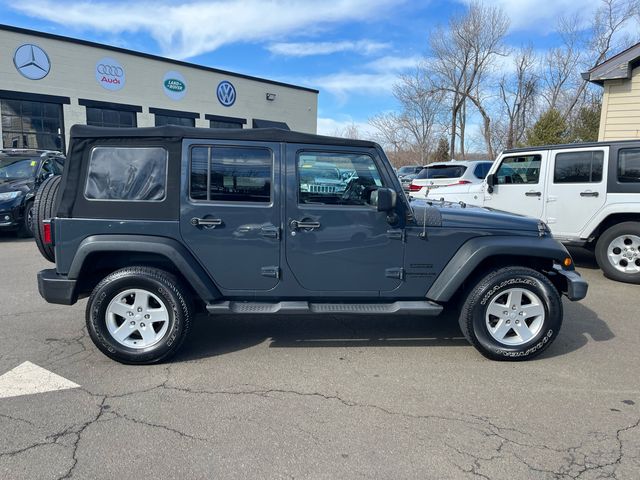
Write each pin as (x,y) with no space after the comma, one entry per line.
(394,273)
(397,234)
(272,272)
(270,232)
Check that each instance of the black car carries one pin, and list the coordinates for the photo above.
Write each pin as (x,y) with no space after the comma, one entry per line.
(21,173)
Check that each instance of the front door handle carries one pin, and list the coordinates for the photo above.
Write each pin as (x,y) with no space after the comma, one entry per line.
(206,222)
(304,224)
(533,194)
(589,194)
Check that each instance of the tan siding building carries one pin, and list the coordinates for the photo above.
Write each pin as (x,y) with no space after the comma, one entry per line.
(620,78)
(49,82)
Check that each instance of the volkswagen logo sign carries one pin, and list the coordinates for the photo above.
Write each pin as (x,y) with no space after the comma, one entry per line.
(110,74)
(31,61)
(226,93)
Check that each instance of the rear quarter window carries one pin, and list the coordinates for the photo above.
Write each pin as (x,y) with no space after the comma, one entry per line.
(629,165)
(132,174)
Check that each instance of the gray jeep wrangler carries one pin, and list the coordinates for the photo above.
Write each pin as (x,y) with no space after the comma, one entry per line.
(154,224)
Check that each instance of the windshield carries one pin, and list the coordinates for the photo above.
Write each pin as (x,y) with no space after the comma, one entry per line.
(442,171)
(407,169)
(319,173)
(18,167)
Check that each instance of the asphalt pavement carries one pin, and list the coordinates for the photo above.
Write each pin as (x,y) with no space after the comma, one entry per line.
(319,397)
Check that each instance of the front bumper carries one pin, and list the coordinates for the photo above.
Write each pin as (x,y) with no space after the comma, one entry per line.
(576,286)
(56,288)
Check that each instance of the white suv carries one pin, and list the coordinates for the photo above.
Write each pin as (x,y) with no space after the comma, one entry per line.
(460,173)
(588,194)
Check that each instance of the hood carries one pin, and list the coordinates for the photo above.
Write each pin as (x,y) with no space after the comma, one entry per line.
(455,215)
(14,184)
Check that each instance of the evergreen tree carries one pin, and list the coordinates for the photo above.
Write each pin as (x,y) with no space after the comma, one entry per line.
(587,124)
(548,130)
(442,152)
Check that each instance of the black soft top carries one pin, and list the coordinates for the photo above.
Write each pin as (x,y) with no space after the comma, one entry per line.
(178,132)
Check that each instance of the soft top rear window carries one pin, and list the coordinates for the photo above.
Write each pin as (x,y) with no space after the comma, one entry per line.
(131,174)
(442,171)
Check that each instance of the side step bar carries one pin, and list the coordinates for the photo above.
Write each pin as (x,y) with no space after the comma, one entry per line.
(401,307)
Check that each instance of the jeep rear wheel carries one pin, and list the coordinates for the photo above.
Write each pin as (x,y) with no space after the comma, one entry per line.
(513,313)
(618,252)
(139,315)
(44,206)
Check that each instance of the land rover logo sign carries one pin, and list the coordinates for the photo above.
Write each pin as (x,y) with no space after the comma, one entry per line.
(31,61)
(226,93)
(174,85)
(110,74)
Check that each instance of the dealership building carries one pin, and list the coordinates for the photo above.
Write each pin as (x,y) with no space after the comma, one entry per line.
(49,83)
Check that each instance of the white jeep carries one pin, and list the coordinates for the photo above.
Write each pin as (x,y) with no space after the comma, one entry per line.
(588,194)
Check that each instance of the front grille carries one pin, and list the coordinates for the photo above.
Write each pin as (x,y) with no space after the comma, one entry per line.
(322,189)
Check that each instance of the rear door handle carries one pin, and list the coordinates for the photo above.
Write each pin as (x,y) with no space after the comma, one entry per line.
(589,194)
(533,194)
(206,222)
(304,224)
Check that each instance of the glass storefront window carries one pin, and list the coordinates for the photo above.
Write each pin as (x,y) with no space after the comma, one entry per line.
(29,124)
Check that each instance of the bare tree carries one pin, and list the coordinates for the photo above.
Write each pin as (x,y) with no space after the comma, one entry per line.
(390,131)
(464,54)
(518,95)
(421,109)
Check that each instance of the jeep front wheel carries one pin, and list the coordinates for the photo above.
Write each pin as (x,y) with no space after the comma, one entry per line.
(139,315)
(618,252)
(513,313)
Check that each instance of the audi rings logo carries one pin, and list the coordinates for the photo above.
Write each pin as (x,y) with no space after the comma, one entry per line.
(110,74)
(110,70)
(226,93)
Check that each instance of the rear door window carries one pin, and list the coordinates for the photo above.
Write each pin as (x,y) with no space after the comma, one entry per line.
(629,165)
(578,167)
(132,174)
(231,174)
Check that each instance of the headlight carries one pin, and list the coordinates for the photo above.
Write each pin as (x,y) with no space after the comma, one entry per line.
(9,195)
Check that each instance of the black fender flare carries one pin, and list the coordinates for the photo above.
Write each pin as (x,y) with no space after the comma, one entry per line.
(475,251)
(171,249)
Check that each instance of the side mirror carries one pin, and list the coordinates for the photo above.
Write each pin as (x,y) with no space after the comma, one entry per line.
(491,182)
(384,199)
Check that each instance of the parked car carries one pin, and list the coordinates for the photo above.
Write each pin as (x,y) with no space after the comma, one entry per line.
(588,194)
(152,226)
(409,170)
(322,177)
(21,173)
(406,180)
(460,173)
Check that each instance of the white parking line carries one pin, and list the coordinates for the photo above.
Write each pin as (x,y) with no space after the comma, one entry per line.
(28,379)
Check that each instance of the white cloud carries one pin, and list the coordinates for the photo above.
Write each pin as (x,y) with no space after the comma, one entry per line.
(378,76)
(306,49)
(333,126)
(542,16)
(190,28)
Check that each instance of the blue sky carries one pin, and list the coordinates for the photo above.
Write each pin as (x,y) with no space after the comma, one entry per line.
(351,50)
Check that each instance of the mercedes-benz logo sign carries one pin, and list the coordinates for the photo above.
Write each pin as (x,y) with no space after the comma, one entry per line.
(110,74)
(226,93)
(31,61)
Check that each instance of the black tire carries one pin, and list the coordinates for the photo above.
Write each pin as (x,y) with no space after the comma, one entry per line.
(161,284)
(473,320)
(44,208)
(602,246)
(25,230)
